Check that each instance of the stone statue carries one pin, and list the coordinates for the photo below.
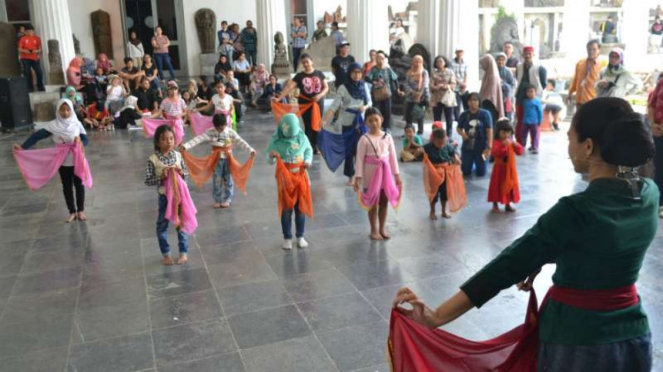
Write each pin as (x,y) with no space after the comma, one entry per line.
(505,29)
(322,52)
(403,43)
(281,65)
(206,27)
(101,32)
(55,74)
(8,51)
(77,45)
(338,15)
(328,18)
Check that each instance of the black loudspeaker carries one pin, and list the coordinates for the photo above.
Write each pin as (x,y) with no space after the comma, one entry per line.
(15,112)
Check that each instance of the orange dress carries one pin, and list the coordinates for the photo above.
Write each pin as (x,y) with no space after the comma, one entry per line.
(504,187)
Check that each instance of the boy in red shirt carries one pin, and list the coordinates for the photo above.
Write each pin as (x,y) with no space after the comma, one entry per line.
(29,47)
(98,117)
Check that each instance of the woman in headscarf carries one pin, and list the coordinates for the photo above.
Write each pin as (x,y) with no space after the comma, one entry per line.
(135,49)
(291,150)
(508,85)
(74,73)
(76,99)
(384,84)
(417,82)
(221,68)
(616,81)
(352,100)
(491,88)
(105,64)
(128,114)
(443,96)
(259,79)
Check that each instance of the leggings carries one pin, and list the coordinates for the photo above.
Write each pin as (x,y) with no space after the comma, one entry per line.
(438,110)
(385,108)
(70,182)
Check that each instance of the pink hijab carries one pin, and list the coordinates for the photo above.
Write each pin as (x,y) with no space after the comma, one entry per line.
(260,75)
(74,72)
(491,86)
(104,62)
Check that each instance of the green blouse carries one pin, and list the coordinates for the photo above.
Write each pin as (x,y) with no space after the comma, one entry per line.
(598,239)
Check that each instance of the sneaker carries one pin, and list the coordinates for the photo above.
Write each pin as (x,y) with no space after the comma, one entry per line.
(535,151)
(287,244)
(302,243)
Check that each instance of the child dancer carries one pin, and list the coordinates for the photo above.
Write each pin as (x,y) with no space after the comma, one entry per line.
(222,164)
(532,118)
(504,180)
(443,179)
(164,168)
(74,171)
(377,182)
(293,154)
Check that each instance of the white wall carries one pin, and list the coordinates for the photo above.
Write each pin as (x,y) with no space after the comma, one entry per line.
(79,12)
(232,11)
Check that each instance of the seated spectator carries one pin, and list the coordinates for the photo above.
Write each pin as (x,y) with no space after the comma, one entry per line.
(242,69)
(274,88)
(238,102)
(411,145)
(96,89)
(128,114)
(131,75)
(259,79)
(221,68)
(105,64)
(97,116)
(74,77)
(147,99)
(230,79)
(77,99)
(205,90)
(88,70)
(151,73)
(115,94)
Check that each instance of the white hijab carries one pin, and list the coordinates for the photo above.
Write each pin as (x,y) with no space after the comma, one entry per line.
(130,103)
(68,128)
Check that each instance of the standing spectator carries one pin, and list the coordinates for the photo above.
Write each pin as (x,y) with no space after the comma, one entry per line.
(417,82)
(460,70)
(511,60)
(341,63)
(475,126)
(384,82)
(368,66)
(532,118)
(250,43)
(337,34)
(237,39)
(298,35)
(508,85)
(491,88)
(527,73)
(160,43)
(238,102)
(608,29)
(616,81)
(443,98)
(553,103)
(655,113)
(396,31)
(20,32)
(587,73)
(320,33)
(242,69)
(135,49)
(74,73)
(29,48)
(656,37)
(130,74)
(225,41)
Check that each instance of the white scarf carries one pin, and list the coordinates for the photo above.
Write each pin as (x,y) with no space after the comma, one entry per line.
(68,128)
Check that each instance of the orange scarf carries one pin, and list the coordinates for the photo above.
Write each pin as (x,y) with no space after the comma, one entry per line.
(201,169)
(434,177)
(293,188)
(511,177)
(279,109)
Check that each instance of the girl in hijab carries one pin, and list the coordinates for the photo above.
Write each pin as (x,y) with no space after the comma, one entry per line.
(105,64)
(74,73)
(65,129)
(135,49)
(491,88)
(259,80)
(291,150)
(221,68)
(352,100)
(417,82)
(76,99)
(616,81)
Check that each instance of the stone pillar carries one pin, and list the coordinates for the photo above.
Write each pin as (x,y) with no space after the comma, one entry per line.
(368,27)
(458,25)
(270,19)
(52,22)
(635,31)
(428,26)
(575,30)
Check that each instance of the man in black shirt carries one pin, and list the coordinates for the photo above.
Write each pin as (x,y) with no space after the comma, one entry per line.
(147,97)
(130,74)
(341,63)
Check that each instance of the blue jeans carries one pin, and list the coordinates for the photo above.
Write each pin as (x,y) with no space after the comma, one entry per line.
(633,355)
(28,66)
(162,231)
(251,57)
(223,183)
(296,52)
(286,222)
(162,58)
(472,159)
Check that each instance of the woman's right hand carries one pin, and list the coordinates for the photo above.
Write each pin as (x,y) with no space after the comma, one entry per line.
(357,184)
(528,284)
(17,147)
(420,313)
(273,154)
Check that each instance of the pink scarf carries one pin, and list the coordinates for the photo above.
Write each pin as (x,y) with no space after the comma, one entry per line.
(180,209)
(201,123)
(150,127)
(383,179)
(39,166)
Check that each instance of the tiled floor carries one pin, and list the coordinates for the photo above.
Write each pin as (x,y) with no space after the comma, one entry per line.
(94,297)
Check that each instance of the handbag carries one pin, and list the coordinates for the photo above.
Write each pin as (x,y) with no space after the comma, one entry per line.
(418,112)
(382,93)
(237,44)
(608,91)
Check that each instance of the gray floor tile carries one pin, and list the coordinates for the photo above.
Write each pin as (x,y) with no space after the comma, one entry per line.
(252,297)
(338,312)
(176,283)
(317,285)
(6,285)
(54,359)
(183,309)
(192,341)
(18,339)
(357,347)
(296,262)
(376,274)
(122,354)
(47,281)
(268,326)
(304,354)
(37,262)
(219,363)
(12,258)
(40,307)
(109,294)
(112,320)
(248,266)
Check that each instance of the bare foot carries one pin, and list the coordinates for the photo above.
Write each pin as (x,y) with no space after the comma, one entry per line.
(375,236)
(432,216)
(495,209)
(225,205)
(350,183)
(81,216)
(446,215)
(385,235)
(182,260)
(167,261)
(509,209)
(216,205)
(71,218)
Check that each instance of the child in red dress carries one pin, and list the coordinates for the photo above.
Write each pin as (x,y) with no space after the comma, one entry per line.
(504,180)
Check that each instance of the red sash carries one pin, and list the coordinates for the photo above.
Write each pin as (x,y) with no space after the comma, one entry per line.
(595,300)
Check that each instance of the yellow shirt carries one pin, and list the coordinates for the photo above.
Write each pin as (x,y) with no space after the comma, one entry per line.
(585,79)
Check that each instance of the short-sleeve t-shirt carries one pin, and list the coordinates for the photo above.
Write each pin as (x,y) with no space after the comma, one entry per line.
(475,126)
(225,103)
(149,71)
(30,43)
(134,70)
(309,84)
(340,67)
(93,113)
(161,41)
(445,154)
(173,107)
(417,140)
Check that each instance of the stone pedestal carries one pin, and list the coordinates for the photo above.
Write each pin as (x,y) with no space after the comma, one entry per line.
(207,63)
(322,52)
(368,27)
(8,51)
(52,21)
(270,20)
(55,75)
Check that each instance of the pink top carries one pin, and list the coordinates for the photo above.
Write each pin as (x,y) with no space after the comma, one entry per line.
(161,41)
(384,145)
(173,108)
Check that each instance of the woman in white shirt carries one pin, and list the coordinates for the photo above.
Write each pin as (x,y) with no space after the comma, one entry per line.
(135,49)
(242,69)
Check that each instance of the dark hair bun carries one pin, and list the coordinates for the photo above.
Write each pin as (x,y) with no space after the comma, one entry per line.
(627,141)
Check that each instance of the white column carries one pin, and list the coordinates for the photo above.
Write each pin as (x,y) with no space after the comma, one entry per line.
(52,22)
(270,19)
(368,27)
(575,29)
(635,31)
(459,29)
(517,8)
(428,26)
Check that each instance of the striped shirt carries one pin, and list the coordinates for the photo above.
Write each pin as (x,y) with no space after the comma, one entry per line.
(460,69)
(299,42)
(171,158)
(173,108)
(226,138)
